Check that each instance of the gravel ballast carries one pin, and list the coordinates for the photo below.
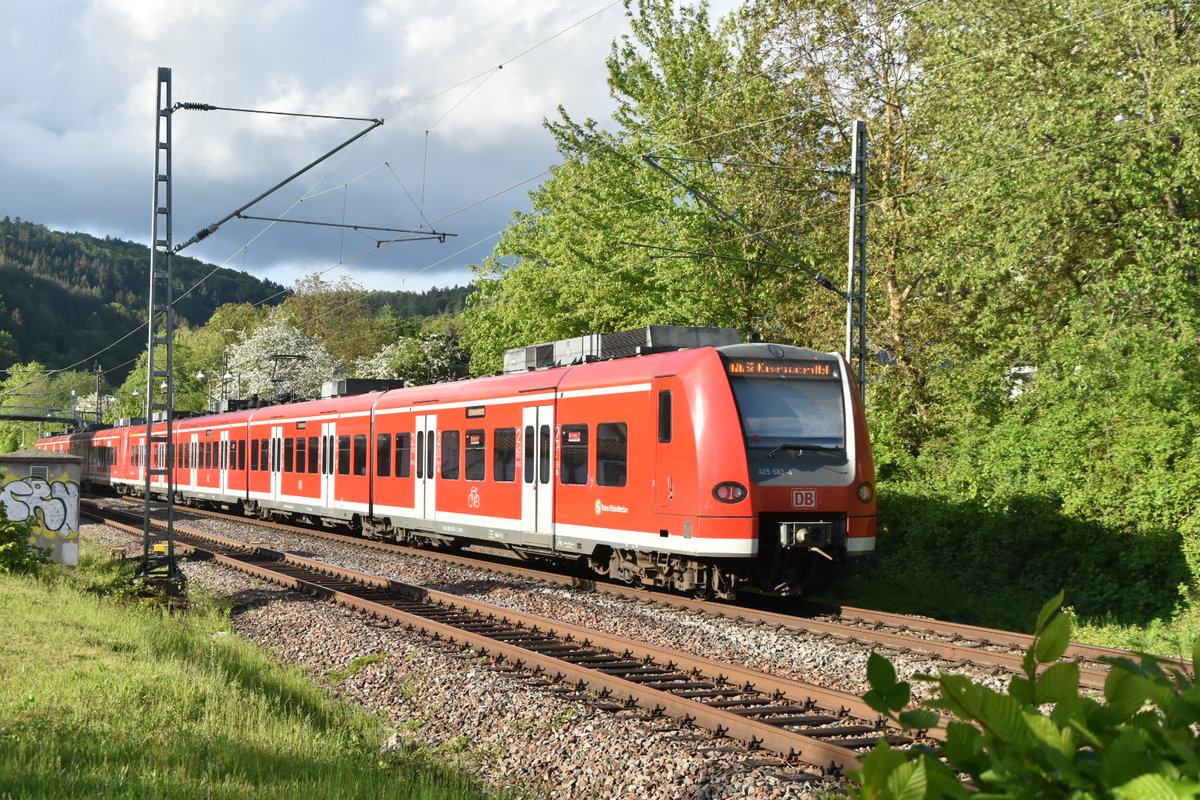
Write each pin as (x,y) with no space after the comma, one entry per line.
(505,727)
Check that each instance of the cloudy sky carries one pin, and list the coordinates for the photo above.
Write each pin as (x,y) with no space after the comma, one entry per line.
(461,145)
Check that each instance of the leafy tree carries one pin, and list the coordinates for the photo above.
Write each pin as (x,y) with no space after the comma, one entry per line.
(418,360)
(1065,254)
(685,89)
(336,315)
(278,361)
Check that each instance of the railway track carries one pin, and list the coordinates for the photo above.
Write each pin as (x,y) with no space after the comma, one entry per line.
(825,729)
(948,644)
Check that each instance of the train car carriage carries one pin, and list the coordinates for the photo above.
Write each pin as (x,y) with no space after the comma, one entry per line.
(311,459)
(100,452)
(210,458)
(450,460)
(669,457)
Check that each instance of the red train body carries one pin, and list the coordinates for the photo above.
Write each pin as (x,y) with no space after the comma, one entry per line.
(700,470)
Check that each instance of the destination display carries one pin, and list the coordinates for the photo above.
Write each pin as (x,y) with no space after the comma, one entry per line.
(770,368)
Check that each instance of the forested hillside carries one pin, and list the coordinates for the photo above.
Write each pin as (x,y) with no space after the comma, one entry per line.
(65,296)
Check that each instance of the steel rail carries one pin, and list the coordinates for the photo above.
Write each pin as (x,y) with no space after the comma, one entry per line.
(968,645)
(818,752)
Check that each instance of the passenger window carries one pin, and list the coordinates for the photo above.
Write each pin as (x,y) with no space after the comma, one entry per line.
(253,454)
(314,454)
(504,455)
(529,449)
(300,457)
(383,455)
(430,440)
(450,455)
(476,462)
(264,457)
(612,450)
(574,454)
(664,416)
(544,454)
(289,455)
(343,455)
(360,454)
(403,454)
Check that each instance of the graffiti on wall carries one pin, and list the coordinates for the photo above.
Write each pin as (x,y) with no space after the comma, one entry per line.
(57,501)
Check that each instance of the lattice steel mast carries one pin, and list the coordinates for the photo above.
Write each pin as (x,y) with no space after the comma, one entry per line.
(159,565)
(856,280)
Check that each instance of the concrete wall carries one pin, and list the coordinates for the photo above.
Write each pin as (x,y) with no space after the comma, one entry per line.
(42,488)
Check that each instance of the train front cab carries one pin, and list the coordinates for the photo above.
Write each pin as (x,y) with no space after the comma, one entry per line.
(808,457)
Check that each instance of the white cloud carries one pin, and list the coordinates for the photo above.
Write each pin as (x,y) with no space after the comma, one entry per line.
(76,131)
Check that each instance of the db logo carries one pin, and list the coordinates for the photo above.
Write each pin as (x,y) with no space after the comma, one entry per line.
(804,498)
(473,497)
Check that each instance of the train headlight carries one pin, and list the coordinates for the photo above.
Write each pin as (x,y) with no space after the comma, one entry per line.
(729,492)
(866,492)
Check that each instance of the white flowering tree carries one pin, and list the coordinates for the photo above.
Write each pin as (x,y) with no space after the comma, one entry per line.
(418,360)
(277,361)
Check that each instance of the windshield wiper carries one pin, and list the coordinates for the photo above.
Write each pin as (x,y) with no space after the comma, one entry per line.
(799,449)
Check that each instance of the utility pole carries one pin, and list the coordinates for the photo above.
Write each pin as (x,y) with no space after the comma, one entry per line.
(159,565)
(856,281)
(99,387)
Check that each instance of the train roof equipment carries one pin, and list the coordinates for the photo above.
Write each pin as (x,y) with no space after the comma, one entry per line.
(608,346)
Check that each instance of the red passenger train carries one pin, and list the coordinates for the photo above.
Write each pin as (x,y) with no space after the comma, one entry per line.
(700,469)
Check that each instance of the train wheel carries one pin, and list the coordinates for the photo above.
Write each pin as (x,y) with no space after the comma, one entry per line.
(623,570)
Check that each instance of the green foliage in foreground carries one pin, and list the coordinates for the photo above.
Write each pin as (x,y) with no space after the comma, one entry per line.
(17,553)
(1139,742)
(103,700)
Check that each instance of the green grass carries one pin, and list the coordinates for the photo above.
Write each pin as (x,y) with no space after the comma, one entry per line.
(889,587)
(101,699)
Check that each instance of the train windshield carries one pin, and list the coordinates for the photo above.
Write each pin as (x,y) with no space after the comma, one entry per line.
(781,413)
(793,416)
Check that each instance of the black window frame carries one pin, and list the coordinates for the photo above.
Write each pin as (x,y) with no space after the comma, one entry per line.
(573,455)
(475,455)
(665,416)
(504,455)
(360,454)
(451,468)
(403,455)
(612,454)
(383,455)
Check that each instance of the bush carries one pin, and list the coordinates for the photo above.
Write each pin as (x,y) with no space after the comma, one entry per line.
(1139,743)
(18,553)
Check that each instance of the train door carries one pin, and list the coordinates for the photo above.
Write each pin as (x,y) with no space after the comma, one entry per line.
(224,462)
(666,461)
(193,462)
(537,476)
(138,446)
(425,489)
(276,461)
(328,449)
